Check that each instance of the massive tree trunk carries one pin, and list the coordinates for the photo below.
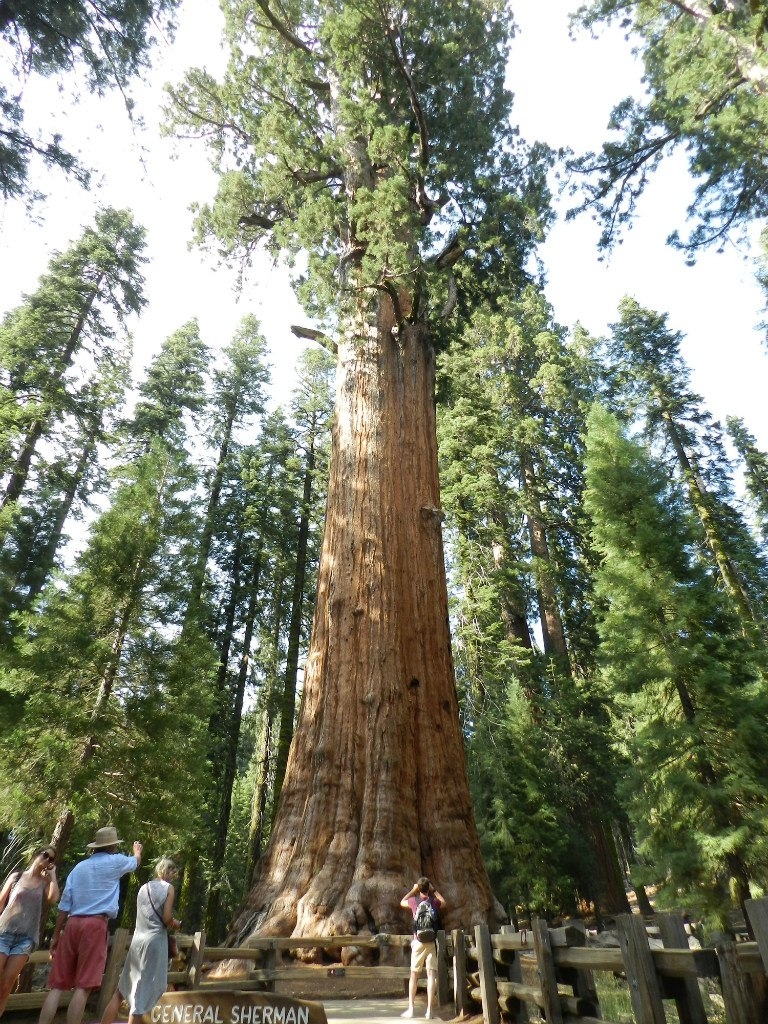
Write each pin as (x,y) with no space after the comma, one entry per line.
(376,790)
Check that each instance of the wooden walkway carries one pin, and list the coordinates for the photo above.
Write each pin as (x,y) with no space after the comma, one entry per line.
(359,1011)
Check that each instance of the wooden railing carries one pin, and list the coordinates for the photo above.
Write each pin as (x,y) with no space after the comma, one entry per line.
(196,959)
(552,969)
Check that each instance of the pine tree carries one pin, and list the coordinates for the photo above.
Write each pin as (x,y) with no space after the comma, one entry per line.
(756,471)
(649,376)
(510,435)
(311,411)
(63,373)
(101,668)
(689,690)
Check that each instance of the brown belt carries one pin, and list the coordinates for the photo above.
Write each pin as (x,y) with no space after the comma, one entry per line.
(104,917)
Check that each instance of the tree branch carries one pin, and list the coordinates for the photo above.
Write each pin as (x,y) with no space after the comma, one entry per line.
(310,334)
(282,29)
(415,102)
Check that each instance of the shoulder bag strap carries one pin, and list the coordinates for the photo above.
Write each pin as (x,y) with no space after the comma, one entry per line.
(152,902)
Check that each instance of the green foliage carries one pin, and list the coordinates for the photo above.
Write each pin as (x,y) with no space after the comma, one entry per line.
(647,378)
(99,667)
(64,355)
(689,692)
(756,472)
(510,446)
(361,138)
(109,41)
(705,72)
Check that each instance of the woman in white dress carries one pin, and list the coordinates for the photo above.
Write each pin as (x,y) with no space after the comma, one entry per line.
(145,974)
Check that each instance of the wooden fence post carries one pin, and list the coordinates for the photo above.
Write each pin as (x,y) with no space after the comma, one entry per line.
(121,940)
(488,991)
(545,966)
(196,960)
(443,991)
(581,979)
(270,963)
(644,988)
(757,912)
(460,1001)
(737,993)
(685,991)
(515,973)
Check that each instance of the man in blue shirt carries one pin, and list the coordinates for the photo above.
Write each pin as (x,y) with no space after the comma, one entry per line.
(90,899)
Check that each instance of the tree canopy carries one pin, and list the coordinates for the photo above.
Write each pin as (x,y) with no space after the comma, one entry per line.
(706,75)
(108,42)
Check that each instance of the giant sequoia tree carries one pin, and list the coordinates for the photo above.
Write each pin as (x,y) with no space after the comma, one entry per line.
(371,136)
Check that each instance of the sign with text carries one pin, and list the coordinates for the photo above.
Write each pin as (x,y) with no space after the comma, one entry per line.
(218,1006)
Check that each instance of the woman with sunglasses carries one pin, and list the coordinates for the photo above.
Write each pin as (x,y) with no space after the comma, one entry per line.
(21,909)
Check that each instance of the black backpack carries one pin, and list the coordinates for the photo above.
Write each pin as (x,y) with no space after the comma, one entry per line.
(425,921)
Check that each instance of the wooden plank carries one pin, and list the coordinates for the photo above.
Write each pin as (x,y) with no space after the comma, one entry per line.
(590,959)
(307,942)
(644,988)
(737,995)
(512,940)
(685,963)
(460,994)
(488,993)
(443,987)
(685,991)
(757,912)
(34,1000)
(581,979)
(546,969)
(750,959)
(518,1014)
(673,963)
(120,941)
(196,960)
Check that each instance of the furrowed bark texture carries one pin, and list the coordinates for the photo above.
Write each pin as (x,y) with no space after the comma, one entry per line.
(376,789)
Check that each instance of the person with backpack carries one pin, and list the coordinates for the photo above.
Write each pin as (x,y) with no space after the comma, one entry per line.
(425,904)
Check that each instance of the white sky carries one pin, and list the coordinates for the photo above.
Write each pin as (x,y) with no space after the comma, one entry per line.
(564,92)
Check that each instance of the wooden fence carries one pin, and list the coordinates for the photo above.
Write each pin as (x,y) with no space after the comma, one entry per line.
(554,971)
(518,975)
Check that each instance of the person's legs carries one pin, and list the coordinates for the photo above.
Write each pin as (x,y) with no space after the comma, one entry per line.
(413,982)
(76,1007)
(49,1007)
(110,1010)
(10,969)
(431,989)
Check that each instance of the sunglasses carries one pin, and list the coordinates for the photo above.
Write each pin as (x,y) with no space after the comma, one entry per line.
(48,856)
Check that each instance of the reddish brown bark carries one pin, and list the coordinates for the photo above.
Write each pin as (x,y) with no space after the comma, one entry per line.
(376,789)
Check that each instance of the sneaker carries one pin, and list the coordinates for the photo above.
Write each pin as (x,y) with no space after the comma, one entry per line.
(428,1015)
(407,1013)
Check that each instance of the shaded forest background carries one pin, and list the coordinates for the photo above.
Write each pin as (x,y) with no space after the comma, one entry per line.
(606,546)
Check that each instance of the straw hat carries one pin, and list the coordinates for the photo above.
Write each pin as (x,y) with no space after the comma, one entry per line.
(104,837)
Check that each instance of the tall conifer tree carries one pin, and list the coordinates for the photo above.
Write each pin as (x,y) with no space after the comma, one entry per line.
(368,138)
(689,690)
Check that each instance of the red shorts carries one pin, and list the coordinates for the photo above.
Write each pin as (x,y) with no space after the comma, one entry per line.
(80,955)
